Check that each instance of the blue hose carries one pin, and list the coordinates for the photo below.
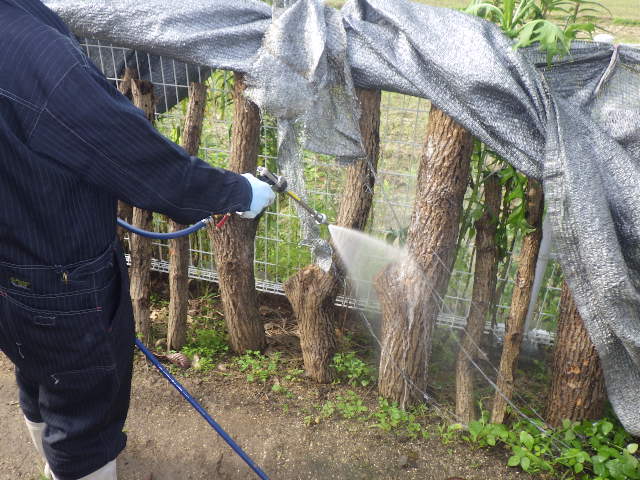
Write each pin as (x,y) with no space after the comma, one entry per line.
(164,236)
(185,393)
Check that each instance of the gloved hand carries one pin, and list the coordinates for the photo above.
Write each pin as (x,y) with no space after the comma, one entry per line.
(263,196)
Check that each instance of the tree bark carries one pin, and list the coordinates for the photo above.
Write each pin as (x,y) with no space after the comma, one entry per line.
(410,292)
(125,211)
(234,242)
(519,302)
(179,256)
(311,291)
(484,286)
(143,98)
(577,387)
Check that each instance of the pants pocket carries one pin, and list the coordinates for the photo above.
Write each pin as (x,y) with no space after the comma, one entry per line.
(81,434)
(45,341)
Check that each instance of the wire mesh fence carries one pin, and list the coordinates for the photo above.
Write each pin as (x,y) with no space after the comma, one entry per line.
(278,252)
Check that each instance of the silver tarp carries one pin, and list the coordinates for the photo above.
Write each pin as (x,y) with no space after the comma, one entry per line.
(576,125)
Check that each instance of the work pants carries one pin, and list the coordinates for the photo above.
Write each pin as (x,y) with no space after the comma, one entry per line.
(69,331)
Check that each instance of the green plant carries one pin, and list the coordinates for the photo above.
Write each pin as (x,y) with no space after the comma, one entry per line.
(626,22)
(449,432)
(258,367)
(389,417)
(207,346)
(551,24)
(350,405)
(599,450)
(351,369)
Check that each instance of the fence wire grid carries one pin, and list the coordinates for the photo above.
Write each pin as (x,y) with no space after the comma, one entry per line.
(278,252)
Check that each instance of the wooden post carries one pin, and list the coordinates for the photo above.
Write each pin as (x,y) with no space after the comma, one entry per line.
(519,302)
(143,98)
(410,292)
(125,211)
(484,286)
(312,291)
(179,255)
(234,242)
(577,387)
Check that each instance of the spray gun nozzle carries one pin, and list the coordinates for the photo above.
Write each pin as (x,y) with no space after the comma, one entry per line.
(279,184)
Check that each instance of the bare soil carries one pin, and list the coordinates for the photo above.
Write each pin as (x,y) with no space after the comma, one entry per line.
(168,439)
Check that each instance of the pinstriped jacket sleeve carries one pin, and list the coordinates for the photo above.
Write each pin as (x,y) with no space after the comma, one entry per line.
(87,127)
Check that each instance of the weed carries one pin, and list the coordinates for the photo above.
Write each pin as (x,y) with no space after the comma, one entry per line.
(258,367)
(350,368)
(350,405)
(207,346)
(293,374)
(390,417)
(601,448)
(449,433)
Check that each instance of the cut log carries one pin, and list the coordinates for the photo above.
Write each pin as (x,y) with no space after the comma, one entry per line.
(484,286)
(311,291)
(143,98)
(234,242)
(179,254)
(520,300)
(411,292)
(577,387)
(125,211)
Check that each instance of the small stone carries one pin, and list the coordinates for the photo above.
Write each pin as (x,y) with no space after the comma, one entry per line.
(403,461)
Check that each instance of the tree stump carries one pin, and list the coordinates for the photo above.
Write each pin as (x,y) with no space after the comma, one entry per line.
(179,255)
(577,387)
(311,291)
(234,242)
(411,292)
(520,300)
(143,98)
(484,286)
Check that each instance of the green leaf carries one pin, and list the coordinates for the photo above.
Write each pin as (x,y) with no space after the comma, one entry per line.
(525,463)
(513,461)
(606,427)
(526,439)
(483,10)
(475,428)
(578,467)
(632,448)
(551,38)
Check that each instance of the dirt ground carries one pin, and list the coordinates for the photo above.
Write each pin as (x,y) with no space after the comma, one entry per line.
(167,438)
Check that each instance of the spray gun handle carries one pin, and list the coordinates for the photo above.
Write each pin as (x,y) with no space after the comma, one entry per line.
(278,182)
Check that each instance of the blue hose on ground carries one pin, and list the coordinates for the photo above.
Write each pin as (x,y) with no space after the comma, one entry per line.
(185,393)
(165,236)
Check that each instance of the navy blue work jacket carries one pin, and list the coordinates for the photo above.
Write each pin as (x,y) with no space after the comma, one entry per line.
(71,145)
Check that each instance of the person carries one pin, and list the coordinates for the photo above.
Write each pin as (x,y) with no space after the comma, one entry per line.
(70,146)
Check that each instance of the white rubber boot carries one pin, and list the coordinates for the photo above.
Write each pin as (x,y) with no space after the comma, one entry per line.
(108,472)
(36,431)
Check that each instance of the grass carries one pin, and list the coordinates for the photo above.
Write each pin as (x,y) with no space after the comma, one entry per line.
(629,9)
(626,22)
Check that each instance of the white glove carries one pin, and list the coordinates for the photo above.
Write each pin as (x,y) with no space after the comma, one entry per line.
(263,196)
